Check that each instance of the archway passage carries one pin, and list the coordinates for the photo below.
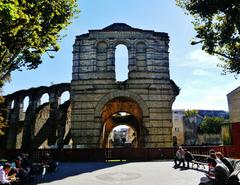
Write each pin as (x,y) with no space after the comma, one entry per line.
(121,111)
(124,134)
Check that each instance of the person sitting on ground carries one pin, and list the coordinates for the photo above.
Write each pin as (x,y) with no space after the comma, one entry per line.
(26,164)
(180,156)
(220,173)
(225,161)
(4,178)
(22,173)
(188,157)
(49,162)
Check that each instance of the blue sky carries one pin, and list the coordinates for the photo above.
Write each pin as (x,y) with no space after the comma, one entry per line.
(202,85)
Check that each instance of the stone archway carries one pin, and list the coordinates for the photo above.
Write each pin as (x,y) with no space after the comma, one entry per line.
(147,95)
(110,120)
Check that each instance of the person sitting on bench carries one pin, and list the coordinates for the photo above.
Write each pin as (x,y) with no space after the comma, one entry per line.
(188,157)
(180,156)
(225,161)
(220,172)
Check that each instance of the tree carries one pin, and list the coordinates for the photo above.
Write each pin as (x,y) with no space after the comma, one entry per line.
(211,125)
(3,124)
(190,113)
(28,29)
(217,23)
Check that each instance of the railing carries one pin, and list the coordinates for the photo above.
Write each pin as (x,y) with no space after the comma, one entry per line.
(130,154)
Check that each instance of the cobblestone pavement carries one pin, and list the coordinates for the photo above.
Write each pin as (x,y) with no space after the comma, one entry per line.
(133,173)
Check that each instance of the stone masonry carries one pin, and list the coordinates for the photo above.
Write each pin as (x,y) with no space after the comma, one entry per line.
(96,98)
(41,125)
(147,94)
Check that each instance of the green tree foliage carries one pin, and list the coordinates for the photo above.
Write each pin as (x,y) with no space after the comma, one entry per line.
(211,125)
(3,124)
(28,29)
(190,113)
(217,23)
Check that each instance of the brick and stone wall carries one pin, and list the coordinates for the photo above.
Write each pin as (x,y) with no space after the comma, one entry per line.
(148,85)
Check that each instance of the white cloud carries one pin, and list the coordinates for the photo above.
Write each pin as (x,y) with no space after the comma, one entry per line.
(200,59)
(201,72)
(203,58)
(205,95)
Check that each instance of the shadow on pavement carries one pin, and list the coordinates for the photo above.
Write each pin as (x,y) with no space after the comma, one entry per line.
(65,170)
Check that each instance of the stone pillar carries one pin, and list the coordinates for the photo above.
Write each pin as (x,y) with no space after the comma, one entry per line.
(131,59)
(29,123)
(13,125)
(54,104)
(110,60)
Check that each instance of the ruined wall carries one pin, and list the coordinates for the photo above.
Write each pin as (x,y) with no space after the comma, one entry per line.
(94,84)
(40,125)
(96,95)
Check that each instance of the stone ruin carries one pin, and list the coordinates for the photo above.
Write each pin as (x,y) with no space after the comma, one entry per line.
(96,97)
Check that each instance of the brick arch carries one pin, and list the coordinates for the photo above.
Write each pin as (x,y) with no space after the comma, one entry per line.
(100,42)
(126,94)
(120,104)
(141,41)
(124,42)
(109,125)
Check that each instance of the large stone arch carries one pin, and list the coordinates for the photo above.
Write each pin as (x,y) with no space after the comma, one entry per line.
(134,120)
(104,100)
(121,101)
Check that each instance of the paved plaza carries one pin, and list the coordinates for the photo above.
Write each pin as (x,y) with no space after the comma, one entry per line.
(116,173)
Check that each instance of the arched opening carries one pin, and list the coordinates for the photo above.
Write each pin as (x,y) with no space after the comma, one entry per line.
(123,113)
(121,63)
(123,135)
(12,104)
(44,98)
(25,103)
(65,96)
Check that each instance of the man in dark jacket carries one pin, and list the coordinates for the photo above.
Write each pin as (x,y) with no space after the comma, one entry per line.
(188,157)
(225,161)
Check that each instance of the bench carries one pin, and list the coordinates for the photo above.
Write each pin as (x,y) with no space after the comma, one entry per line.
(233,177)
(198,164)
(199,160)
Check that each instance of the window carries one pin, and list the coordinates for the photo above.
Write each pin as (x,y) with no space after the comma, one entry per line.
(44,98)
(121,63)
(25,103)
(65,97)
